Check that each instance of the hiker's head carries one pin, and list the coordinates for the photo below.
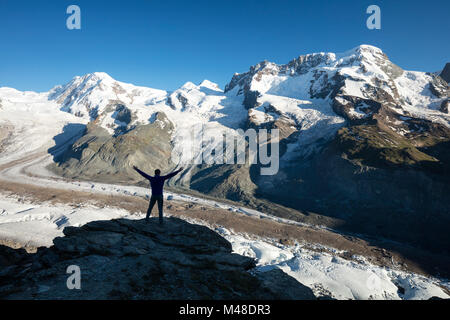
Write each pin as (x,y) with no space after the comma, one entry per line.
(157,172)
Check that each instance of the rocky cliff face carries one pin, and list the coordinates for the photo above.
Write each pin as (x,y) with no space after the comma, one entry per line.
(130,259)
(445,74)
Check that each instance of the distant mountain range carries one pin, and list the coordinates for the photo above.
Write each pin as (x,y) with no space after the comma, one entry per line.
(364,143)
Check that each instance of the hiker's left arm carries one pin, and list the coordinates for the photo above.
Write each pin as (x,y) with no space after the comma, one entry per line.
(170,175)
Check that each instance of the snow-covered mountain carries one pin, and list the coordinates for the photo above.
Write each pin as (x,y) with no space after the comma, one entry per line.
(331,83)
(309,99)
(91,93)
(314,95)
(358,134)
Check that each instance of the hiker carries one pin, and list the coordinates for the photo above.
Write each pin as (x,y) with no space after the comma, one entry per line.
(157,184)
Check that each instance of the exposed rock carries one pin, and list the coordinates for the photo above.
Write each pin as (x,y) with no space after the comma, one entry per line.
(9,256)
(98,155)
(439,87)
(445,74)
(131,259)
(347,105)
(122,117)
(289,288)
(444,106)
(251,99)
(374,181)
(6,133)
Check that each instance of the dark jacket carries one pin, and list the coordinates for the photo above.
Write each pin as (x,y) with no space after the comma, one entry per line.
(157,182)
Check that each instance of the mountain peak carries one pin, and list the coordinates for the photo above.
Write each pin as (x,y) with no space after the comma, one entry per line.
(210,85)
(365,56)
(96,76)
(363,52)
(188,86)
(368,48)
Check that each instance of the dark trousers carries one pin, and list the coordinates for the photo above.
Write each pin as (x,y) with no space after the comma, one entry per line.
(153,200)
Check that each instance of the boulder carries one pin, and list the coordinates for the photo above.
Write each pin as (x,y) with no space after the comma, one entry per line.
(131,259)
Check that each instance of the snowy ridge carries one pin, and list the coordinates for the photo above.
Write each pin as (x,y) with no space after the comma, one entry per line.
(299,94)
(302,93)
(92,92)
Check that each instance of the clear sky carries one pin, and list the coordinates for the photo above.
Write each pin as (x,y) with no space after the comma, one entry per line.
(165,43)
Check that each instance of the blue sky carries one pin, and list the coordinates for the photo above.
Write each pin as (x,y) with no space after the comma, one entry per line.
(163,44)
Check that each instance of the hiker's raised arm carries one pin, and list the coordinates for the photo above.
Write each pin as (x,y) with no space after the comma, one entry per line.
(170,175)
(142,173)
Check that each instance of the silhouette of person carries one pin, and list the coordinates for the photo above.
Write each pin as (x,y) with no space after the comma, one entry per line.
(157,184)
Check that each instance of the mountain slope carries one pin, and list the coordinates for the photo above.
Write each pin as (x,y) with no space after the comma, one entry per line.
(361,140)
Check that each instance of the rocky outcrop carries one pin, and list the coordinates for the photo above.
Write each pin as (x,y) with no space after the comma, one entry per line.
(444,106)
(131,259)
(6,132)
(439,87)
(122,115)
(251,99)
(445,74)
(97,155)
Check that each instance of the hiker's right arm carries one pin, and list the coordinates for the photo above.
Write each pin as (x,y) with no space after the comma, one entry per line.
(142,173)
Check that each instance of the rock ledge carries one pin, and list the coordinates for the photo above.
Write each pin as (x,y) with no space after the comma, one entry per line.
(129,259)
